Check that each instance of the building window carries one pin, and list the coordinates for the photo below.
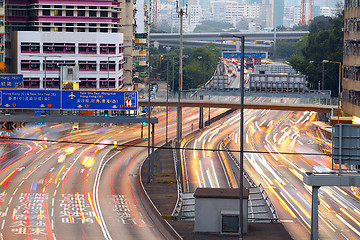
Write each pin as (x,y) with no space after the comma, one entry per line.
(28,65)
(87,65)
(104,66)
(107,48)
(31,82)
(30,47)
(58,11)
(87,83)
(69,27)
(58,27)
(87,48)
(81,27)
(104,12)
(45,12)
(92,27)
(46,27)
(103,27)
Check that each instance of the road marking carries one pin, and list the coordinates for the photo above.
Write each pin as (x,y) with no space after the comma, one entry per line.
(7,209)
(3,223)
(52,224)
(52,212)
(55,192)
(15,191)
(21,183)
(10,200)
(53,202)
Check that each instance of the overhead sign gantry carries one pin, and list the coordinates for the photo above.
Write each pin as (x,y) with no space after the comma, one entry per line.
(68,99)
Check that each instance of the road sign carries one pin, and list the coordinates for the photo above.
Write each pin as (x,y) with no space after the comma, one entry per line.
(346,144)
(68,99)
(112,100)
(246,55)
(11,80)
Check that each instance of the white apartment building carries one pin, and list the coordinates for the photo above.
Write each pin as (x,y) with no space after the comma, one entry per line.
(40,55)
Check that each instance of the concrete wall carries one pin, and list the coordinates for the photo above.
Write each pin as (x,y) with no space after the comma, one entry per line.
(208,213)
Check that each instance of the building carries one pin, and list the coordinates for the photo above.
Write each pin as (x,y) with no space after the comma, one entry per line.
(94,31)
(2,37)
(351,60)
(127,16)
(39,57)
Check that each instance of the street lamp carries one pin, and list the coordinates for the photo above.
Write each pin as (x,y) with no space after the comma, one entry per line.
(181,12)
(241,180)
(340,81)
(45,58)
(108,68)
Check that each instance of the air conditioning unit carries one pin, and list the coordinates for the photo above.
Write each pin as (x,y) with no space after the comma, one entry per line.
(49,48)
(104,49)
(68,48)
(93,48)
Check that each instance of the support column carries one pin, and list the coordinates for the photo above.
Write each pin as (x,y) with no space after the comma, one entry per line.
(201,117)
(314,213)
(153,148)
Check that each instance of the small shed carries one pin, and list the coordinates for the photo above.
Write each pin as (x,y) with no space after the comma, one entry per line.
(217,210)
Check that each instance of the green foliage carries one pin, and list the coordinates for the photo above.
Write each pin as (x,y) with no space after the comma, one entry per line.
(284,49)
(199,65)
(324,42)
(213,26)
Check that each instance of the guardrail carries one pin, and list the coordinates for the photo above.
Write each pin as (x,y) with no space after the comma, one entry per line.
(268,201)
(178,205)
(252,184)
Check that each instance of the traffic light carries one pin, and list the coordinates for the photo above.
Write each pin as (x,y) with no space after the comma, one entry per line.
(143,123)
(106,113)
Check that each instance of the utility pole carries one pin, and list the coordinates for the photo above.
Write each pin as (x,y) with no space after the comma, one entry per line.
(181,12)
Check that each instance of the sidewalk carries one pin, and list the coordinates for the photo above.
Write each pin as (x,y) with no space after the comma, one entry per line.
(163,193)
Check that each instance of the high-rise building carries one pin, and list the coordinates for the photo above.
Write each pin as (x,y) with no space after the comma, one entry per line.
(46,35)
(351,60)
(2,37)
(278,12)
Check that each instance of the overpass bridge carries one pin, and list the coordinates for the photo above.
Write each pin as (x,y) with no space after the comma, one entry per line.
(249,36)
(200,39)
(236,105)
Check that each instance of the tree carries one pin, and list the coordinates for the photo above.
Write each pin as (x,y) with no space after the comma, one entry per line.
(324,42)
(199,65)
(213,26)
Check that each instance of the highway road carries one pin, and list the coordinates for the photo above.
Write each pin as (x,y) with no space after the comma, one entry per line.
(81,188)
(281,174)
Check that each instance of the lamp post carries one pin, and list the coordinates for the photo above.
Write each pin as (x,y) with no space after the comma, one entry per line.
(242,92)
(108,68)
(181,12)
(45,63)
(167,99)
(340,81)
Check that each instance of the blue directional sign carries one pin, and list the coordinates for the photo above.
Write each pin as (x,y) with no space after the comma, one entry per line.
(11,80)
(115,100)
(246,55)
(68,99)
(33,99)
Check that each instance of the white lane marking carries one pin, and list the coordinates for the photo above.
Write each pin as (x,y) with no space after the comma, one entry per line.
(3,223)
(21,183)
(55,192)
(52,224)
(10,200)
(53,202)
(7,209)
(52,212)
(15,191)
(96,194)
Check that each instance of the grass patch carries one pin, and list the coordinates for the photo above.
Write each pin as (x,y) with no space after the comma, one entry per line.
(166,216)
(166,181)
